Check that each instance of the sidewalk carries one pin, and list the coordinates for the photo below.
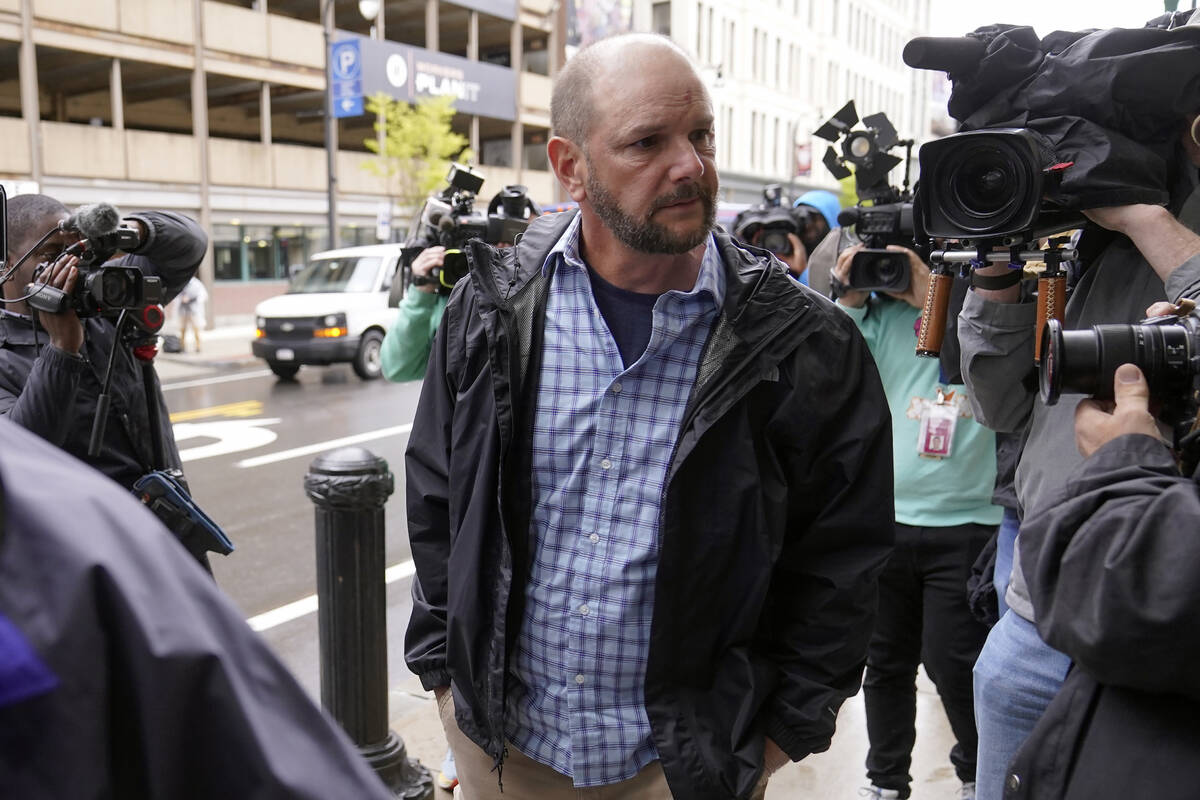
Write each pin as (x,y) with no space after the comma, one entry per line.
(226,347)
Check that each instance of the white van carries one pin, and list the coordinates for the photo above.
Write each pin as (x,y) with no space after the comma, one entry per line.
(335,311)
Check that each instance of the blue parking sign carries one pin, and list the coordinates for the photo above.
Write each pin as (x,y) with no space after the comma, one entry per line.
(345,78)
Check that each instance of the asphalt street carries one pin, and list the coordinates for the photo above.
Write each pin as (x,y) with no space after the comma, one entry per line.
(247,440)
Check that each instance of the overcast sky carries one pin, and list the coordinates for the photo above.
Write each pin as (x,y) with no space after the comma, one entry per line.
(956,17)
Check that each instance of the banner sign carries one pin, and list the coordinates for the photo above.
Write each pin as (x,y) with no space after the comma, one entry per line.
(410,73)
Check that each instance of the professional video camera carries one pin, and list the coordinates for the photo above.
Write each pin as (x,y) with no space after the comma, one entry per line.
(888,220)
(1050,127)
(1166,349)
(101,289)
(767,224)
(450,219)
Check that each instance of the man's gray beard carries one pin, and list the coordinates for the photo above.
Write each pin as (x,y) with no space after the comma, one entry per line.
(647,236)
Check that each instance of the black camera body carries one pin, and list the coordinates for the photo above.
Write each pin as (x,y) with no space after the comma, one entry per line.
(875,268)
(450,219)
(991,184)
(768,224)
(99,291)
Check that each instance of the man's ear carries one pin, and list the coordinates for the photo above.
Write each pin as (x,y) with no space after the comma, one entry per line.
(569,165)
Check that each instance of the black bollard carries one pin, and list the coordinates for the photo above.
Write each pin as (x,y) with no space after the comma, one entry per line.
(349,488)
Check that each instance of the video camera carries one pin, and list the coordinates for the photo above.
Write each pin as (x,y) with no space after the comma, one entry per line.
(1166,349)
(767,225)
(101,289)
(450,219)
(888,220)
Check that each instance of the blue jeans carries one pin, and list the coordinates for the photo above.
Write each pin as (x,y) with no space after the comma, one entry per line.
(1006,540)
(1016,677)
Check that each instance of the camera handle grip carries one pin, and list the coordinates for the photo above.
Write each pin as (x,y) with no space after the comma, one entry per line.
(1051,300)
(933,314)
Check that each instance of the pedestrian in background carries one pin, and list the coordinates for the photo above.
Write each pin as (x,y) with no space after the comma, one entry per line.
(193,300)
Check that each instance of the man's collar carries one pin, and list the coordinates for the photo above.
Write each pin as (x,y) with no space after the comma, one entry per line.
(710,279)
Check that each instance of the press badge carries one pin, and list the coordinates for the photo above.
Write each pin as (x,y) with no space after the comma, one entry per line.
(937,428)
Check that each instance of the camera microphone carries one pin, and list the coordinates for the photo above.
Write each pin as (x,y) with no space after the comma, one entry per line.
(847,217)
(953,55)
(94,221)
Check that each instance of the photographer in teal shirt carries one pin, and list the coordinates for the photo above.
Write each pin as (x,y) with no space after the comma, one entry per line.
(406,346)
(945,471)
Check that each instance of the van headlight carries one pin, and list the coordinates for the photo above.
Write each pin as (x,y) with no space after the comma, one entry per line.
(330,326)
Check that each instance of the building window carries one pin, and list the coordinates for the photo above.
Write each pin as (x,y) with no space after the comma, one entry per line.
(266,252)
(660,18)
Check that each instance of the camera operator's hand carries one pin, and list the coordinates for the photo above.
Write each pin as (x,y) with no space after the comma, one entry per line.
(918,284)
(1099,422)
(138,226)
(64,328)
(797,262)
(425,262)
(841,272)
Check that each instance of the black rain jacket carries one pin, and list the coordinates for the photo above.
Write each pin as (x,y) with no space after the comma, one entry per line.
(777,516)
(161,691)
(55,394)
(1116,586)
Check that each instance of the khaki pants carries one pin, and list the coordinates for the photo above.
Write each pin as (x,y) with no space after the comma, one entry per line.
(526,779)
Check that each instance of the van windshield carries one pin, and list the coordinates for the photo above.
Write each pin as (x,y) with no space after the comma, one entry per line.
(348,274)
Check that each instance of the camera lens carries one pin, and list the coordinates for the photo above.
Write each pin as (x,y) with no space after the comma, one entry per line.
(1084,362)
(981,184)
(116,288)
(776,241)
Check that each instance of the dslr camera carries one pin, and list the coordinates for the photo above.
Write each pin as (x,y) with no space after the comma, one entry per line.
(884,214)
(450,219)
(1166,349)
(768,224)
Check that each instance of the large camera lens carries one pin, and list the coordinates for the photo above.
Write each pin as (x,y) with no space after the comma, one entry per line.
(876,270)
(1084,362)
(980,183)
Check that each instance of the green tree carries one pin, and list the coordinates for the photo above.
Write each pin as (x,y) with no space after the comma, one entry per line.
(414,145)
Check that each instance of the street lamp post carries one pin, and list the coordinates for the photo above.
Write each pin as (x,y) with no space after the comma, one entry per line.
(331,138)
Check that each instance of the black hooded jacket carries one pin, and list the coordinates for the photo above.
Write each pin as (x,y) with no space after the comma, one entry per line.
(777,516)
(1116,585)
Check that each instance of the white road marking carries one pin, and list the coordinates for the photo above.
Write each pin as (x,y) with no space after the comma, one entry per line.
(307,605)
(241,376)
(320,447)
(232,435)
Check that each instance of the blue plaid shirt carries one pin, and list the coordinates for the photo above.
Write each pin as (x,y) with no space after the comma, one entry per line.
(603,439)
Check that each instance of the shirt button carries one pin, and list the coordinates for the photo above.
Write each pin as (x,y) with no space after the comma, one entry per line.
(1013,782)
(605,464)
(579,679)
(595,537)
(584,610)
(616,388)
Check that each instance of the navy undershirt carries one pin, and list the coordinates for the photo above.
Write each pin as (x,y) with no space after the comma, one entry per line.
(630,316)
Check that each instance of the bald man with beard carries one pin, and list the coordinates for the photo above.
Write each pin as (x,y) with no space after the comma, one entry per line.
(649,481)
